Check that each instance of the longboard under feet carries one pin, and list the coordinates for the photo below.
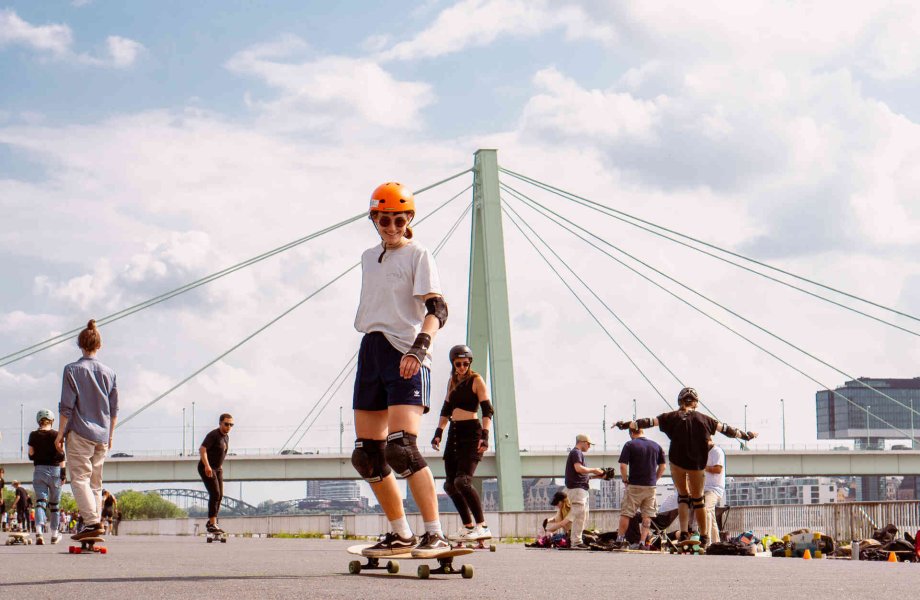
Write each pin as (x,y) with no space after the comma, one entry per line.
(214,536)
(88,546)
(483,544)
(445,561)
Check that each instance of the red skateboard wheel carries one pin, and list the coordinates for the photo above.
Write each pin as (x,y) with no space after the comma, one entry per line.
(103,550)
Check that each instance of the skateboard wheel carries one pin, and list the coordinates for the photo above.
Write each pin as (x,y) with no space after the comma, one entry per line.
(392,566)
(466,571)
(493,548)
(354,567)
(78,551)
(424,571)
(70,550)
(210,540)
(103,550)
(223,540)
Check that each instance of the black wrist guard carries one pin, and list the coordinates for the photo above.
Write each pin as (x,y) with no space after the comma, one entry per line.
(622,424)
(746,436)
(419,349)
(645,423)
(439,432)
(484,436)
(729,431)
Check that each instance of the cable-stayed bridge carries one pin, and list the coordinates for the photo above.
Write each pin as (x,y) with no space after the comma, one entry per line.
(501,196)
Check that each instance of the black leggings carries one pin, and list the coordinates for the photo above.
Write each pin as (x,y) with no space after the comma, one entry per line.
(461,457)
(215,486)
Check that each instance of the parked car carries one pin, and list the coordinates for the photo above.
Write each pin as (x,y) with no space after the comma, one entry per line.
(122,455)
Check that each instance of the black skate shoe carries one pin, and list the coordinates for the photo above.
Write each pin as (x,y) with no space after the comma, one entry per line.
(431,544)
(88,531)
(390,545)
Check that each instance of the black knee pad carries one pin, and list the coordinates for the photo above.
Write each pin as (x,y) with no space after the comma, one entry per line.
(403,454)
(369,461)
(42,504)
(53,507)
(697,503)
(449,487)
(681,499)
(463,482)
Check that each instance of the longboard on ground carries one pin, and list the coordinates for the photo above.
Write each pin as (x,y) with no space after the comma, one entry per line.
(16,538)
(88,546)
(213,536)
(481,544)
(691,546)
(445,562)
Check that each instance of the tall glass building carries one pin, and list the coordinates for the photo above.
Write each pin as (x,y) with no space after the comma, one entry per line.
(854,412)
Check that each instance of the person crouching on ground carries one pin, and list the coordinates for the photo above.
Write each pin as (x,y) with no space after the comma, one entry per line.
(562,520)
(689,432)
(576,487)
(88,412)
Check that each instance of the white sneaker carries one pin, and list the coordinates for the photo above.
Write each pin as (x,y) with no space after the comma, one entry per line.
(482,532)
(55,538)
(467,534)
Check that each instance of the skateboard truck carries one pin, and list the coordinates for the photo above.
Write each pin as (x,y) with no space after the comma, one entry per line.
(88,546)
(355,566)
(446,567)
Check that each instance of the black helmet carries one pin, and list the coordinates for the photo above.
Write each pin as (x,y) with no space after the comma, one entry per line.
(460,351)
(687,395)
(558,497)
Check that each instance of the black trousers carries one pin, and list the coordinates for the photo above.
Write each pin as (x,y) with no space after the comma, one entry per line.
(215,487)
(461,457)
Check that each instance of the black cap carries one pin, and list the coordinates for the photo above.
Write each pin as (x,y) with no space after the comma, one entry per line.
(558,497)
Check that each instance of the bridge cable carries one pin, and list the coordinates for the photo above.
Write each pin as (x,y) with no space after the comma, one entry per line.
(266,326)
(435,252)
(699,310)
(606,210)
(725,308)
(585,306)
(118,315)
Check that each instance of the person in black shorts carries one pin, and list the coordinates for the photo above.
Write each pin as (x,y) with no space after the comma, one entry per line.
(400,311)
(213,450)
(467,439)
(689,432)
(21,506)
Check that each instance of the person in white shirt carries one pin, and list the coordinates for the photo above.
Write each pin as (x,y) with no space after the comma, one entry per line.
(400,311)
(713,489)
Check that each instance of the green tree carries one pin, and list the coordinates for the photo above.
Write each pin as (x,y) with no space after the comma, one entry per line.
(67,503)
(146,505)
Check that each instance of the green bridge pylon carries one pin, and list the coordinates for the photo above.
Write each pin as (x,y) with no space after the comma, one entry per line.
(489,326)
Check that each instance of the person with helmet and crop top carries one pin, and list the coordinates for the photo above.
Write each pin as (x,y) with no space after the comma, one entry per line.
(690,432)
(48,476)
(467,439)
(400,311)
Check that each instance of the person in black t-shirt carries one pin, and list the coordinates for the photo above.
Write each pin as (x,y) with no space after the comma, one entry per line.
(109,504)
(48,477)
(577,475)
(21,506)
(689,432)
(213,450)
(2,501)
(467,439)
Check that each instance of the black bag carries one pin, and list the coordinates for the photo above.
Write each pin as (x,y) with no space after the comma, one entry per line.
(731,548)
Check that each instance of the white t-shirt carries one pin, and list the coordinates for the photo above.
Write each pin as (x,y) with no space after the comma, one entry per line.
(392,292)
(715,483)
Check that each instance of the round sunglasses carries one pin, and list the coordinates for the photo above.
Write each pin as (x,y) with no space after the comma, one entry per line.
(385,221)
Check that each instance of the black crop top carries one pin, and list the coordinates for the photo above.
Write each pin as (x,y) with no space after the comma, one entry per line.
(462,397)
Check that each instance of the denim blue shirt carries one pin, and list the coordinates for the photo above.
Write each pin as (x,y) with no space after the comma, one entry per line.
(89,399)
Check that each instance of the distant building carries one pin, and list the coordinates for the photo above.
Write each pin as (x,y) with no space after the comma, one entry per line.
(328,489)
(780,490)
(854,412)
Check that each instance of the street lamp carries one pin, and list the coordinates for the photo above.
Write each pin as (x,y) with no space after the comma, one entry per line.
(604,427)
(745,417)
(782,406)
(868,408)
(635,414)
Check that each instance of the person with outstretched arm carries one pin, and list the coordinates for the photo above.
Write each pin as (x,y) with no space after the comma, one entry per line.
(690,432)
(88,413)
(213,450)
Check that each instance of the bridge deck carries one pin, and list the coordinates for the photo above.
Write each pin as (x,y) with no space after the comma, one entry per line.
(187,567)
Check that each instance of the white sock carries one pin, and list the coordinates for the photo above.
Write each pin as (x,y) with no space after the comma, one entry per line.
(401,527)
(433,527)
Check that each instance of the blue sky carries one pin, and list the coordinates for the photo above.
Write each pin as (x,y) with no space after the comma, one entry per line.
(145,144)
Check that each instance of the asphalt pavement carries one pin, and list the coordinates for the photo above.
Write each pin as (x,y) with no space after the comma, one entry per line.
(187,567)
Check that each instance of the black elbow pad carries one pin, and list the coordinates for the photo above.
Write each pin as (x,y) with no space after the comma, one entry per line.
(446,410)
(437,307)
(729,431)
(645,423)
(486,409)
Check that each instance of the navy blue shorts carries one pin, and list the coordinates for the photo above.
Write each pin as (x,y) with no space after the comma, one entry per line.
(378,383)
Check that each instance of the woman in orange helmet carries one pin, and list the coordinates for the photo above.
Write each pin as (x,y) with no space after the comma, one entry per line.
(400,311)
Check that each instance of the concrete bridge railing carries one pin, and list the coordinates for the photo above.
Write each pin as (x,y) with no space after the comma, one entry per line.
(843,521)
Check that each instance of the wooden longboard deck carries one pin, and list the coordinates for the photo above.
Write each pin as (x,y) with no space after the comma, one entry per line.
(95,540)
(356,550)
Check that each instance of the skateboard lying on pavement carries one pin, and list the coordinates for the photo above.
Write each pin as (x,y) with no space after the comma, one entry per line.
(690,546)
(213,536)
(481,544)
(445,562)
(88,546)
(15,538)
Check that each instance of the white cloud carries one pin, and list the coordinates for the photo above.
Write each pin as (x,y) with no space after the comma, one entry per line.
(477,23)
(56,41)
(335,93)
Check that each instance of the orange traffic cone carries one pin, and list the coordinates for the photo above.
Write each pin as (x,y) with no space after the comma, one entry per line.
(892,557)
(807,555)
